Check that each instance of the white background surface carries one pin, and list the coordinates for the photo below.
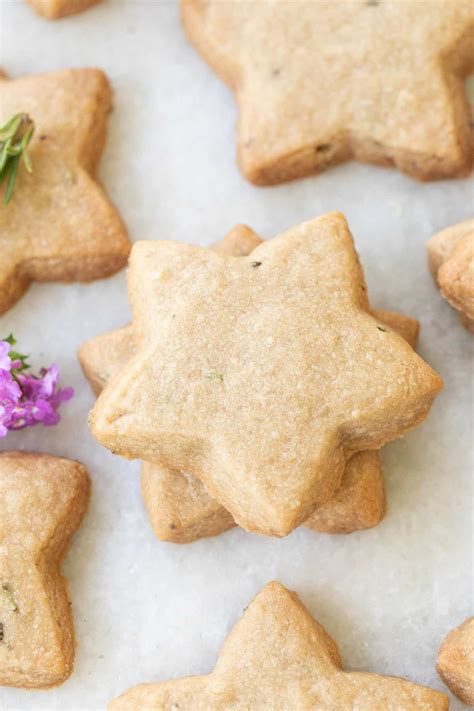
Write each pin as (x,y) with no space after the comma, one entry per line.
(146,610)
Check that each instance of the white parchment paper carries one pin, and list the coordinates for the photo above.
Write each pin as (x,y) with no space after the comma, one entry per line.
(146,610)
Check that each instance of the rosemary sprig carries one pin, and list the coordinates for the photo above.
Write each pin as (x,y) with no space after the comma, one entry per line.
(15,135)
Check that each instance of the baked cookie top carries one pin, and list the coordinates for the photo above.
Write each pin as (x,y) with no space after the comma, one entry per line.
(59,225)
(261,375)
(278,657)
(317,83)
(42,502)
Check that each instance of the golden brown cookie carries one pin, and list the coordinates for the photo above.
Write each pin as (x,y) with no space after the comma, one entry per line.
(54,9)
(42,502)
(181,511)
(455,663)
(279,657)
(104,355)
(59,225)
(360,501)
(451,260)
(317,83)
(178,505)
(261,375)
(406,327)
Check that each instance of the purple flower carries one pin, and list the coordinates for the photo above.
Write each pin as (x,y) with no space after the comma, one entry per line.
(27,399)
(9,388)
(5,361)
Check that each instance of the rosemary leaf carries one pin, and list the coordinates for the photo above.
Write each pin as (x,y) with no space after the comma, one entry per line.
(15,136)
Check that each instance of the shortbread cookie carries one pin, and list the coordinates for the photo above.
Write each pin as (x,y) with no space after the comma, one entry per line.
(455,663)
(42,502)
(181,511)
(54,9)
(360,501)
(261,375)
(406,327)
(178,505)
(105,355)
(59,225)
(102,356)
(451,260)
(317,83)
(279,657)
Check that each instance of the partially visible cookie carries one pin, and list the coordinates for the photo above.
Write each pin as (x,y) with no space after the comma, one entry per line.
(59,225)
(102,357)
(179,508)
(455,663)
(318,83)
(181,511)
(406,326)
(451,260)
(42,502)
(278,657)
(442,243)
(240,241)
(54,9)
(359,503)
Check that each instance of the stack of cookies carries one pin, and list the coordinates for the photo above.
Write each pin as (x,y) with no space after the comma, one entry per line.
(257,383)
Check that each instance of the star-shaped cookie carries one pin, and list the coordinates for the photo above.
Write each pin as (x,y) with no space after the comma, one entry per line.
(278,657)
(54,9)
(179,508)
(42,502)
(59,225)
(181,511)
(317,83)
(455,663)
(261,375)
(451,260)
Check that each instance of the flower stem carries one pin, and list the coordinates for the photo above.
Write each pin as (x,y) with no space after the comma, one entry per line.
(15,136)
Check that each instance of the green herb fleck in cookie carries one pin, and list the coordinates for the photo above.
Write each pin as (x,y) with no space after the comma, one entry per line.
(8,597)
